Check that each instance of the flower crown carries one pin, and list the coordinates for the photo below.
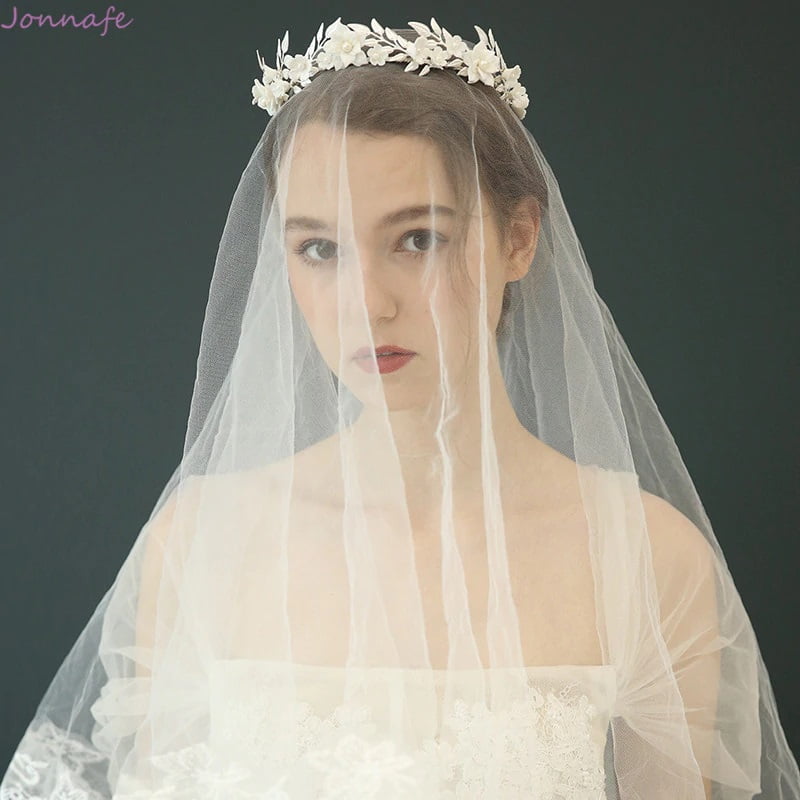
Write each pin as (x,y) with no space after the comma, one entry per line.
(346,44)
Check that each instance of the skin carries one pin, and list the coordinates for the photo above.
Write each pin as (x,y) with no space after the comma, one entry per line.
(401,269)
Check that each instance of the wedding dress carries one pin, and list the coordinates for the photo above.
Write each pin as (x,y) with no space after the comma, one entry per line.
(430,536)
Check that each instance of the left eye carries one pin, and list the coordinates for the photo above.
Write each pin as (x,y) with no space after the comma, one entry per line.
(422,240)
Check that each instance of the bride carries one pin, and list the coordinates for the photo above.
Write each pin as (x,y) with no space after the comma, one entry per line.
(430,536)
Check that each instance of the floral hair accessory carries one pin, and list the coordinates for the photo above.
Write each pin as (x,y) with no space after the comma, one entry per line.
(354,44)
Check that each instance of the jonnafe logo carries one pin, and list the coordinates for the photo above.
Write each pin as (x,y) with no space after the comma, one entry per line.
(112,18)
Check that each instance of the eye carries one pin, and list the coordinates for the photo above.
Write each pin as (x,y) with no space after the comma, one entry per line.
(326,250)
(422,240)
(318,251)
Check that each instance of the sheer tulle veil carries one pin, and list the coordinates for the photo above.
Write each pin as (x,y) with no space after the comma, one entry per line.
(428,528)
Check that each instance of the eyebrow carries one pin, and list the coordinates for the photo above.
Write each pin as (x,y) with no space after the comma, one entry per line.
(392,218)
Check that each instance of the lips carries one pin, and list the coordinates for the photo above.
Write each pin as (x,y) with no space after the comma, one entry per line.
(385,349)
(384,359)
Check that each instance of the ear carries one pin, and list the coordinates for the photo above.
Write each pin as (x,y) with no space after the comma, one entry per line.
(522,237)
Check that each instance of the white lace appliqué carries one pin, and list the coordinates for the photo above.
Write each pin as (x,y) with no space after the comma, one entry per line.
(50,763)
(358,769)
(540,745)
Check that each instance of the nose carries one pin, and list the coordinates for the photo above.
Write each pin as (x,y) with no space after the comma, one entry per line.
(380,299)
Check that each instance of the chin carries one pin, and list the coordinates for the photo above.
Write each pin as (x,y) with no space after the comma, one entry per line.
(396,398)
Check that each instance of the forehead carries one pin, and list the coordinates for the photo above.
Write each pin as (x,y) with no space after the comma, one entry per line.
(381,172)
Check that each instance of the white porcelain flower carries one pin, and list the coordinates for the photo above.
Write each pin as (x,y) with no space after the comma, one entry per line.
(377,54)
(270,96)
(518,98)
(510,76)
(325,60)
(299,69)
(438,56)
(481,64)
(418,51)
(268,74)
(455,45)
(344,45)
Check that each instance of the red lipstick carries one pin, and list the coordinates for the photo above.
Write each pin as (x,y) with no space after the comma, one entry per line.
(386,358)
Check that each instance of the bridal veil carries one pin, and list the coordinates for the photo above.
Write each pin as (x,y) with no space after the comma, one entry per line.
(429,535)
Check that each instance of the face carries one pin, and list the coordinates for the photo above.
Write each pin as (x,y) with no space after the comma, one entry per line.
(398,253)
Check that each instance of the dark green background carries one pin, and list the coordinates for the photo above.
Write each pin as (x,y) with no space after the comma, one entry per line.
(672,128)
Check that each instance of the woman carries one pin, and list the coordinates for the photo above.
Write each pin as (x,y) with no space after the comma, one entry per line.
(430,536)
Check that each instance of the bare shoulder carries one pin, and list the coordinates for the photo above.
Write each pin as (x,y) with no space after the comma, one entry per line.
(308,475)
(250,501)
(161,535)
(180,498)
(677,544)
(547,480)
(685,568)
(245,499)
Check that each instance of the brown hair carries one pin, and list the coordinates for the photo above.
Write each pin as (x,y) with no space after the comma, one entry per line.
(468,123)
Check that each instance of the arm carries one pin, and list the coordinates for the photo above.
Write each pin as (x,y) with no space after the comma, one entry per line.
(684,565)
(156,602)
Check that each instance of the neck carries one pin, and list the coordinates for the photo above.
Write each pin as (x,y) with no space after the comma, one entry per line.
(433,457)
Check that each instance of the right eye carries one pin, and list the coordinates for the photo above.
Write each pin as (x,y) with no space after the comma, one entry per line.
(316,251)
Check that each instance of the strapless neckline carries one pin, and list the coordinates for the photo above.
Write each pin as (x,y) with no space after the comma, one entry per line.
(336,669)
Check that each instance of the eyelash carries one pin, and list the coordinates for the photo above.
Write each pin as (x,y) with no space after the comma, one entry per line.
(304,247)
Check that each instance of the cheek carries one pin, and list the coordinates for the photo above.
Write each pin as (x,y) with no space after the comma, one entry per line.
(441,308)
(477,274)
(302,290)
(491,273)
(318,305)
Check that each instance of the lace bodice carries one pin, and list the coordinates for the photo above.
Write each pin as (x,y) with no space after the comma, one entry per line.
(543,738)
(387,734)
